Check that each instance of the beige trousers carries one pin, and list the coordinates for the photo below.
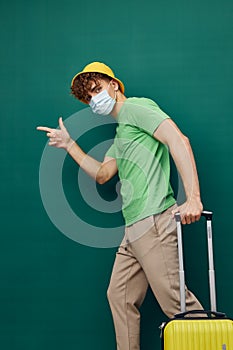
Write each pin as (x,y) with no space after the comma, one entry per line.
(147,255)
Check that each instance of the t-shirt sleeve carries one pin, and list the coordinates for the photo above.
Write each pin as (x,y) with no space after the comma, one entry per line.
(111,152)
(147,115)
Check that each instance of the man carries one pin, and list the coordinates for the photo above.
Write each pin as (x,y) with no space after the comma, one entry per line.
(140,155)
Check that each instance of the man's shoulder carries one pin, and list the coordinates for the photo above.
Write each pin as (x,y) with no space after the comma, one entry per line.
(142,101)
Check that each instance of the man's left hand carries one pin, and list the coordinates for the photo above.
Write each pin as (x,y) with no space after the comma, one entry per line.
(190,211)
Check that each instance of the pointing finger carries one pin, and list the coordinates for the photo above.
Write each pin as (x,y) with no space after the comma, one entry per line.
(44,128)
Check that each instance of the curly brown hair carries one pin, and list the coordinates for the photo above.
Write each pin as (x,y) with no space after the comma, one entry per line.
(83,82)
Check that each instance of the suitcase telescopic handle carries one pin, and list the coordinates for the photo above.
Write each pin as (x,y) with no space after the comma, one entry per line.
(209,313)
(208,215)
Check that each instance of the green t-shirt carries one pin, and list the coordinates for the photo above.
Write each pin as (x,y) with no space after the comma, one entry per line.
(142,161)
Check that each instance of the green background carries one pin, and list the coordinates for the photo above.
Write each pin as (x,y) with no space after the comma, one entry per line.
(53,289)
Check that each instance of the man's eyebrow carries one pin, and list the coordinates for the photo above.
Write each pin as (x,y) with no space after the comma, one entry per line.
(93,88)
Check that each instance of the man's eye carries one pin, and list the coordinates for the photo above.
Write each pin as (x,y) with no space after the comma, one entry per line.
(98,89)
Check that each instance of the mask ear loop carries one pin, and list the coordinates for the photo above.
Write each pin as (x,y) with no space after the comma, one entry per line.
(115,97)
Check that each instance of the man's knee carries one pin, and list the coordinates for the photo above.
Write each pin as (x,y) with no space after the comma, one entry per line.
(109,294)
(112,295)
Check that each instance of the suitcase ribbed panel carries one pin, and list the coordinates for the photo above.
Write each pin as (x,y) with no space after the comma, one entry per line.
(198,335)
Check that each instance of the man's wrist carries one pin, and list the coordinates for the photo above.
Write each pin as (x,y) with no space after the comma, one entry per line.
(69,145)
(194,199)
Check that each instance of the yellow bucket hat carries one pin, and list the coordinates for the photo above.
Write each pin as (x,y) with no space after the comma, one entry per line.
(99,67)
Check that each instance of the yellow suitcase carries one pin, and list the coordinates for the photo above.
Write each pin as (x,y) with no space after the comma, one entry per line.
(212,332)
(198,334)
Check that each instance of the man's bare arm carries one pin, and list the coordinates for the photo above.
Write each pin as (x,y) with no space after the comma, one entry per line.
(60,138)
(100,172)
(181,151)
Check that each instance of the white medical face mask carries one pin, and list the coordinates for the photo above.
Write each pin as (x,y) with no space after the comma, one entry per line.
(102,103)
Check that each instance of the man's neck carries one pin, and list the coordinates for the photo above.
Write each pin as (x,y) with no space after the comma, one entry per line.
(119,103)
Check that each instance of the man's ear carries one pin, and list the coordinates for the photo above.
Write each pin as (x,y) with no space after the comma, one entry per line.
(115,84)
